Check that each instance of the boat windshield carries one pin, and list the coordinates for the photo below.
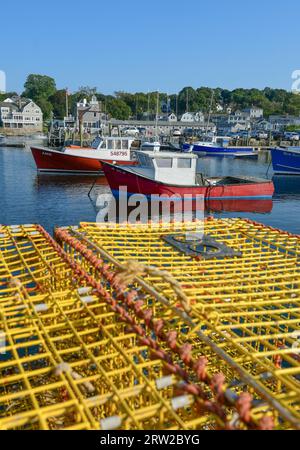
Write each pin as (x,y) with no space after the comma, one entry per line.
(96,142)
(116,144)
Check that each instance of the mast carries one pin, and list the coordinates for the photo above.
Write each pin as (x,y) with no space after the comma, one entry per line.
(67,103)
(209,112)
(187,101)
(156,117)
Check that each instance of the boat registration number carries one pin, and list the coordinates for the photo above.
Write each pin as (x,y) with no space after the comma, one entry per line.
(46,154)
(119,153)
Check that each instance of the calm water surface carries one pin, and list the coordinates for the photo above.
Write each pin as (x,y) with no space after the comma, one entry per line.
(27,197)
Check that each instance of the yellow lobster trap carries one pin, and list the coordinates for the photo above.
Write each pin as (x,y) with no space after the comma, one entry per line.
(72,358)
(232,294)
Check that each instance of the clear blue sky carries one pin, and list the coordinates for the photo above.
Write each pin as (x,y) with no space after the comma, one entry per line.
(138,46)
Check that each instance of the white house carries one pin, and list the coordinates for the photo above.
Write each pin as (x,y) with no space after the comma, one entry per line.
(168,117)
(239,117)
(264,125)
(172,117)
(18,112)
(254,112)
(89,114)
(192,117)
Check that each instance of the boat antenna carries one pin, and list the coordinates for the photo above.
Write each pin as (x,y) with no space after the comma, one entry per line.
(156,117)
(210,109)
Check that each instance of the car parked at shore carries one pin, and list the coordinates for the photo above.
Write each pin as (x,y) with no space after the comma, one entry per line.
(291,136)
(130,131)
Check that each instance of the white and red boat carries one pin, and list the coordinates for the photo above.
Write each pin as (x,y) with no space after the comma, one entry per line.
(84,160)
(167,174)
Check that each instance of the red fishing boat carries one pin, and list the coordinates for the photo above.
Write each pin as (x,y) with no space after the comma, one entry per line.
(81,160)
(167,174)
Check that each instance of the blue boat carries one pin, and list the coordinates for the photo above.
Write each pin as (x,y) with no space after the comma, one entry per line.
(219,146)
(286,161)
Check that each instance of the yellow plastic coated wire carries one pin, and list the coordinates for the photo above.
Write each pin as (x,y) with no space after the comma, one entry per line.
(68,361)
(248,305)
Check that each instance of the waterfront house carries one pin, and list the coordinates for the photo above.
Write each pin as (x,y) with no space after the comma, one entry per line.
(21,113)
(240,119)
(89,114)
(279,122)
(263,125)
(168,117)
(254,112)
(193,117)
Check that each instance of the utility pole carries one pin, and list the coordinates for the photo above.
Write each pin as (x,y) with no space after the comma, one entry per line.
(187,101)
(136,106)
(67,103)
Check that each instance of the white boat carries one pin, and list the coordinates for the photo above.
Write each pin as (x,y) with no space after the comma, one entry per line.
(151,144)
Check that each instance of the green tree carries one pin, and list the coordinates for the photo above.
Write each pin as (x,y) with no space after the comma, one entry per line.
(118,109)
(45,106)
(86,92)
(5,95)
(39,86)
(58,102)
(292,105)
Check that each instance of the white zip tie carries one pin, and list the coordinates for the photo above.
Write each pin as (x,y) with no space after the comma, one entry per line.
(83,290)
(110,423)
(41,307)
(180,402)
(15,229)
(295,334)
(164,382)
(87,299)
(19,307)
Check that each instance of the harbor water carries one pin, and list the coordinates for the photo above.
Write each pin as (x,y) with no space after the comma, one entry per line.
(51,200)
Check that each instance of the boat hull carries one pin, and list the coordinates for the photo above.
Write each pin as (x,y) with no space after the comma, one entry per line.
(53,161)
(218,151)
(285,161)
(119,177)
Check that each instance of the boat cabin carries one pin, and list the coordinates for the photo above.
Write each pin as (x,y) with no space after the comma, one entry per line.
(215,141)
(107,148)
(168,167)
(112,143)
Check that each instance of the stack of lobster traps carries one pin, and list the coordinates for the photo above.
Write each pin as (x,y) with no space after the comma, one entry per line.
(150,326)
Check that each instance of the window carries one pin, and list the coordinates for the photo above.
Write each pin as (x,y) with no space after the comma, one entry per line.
(184,163)
(125,144)
(117,144)
(144,160)
(110,144)
(164,162)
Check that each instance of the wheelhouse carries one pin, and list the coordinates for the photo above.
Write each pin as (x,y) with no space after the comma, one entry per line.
(166,167)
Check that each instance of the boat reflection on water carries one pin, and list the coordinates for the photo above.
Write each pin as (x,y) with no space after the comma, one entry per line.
(287,184)
(240,205)
(193,207)
(64,186)
(68,180)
